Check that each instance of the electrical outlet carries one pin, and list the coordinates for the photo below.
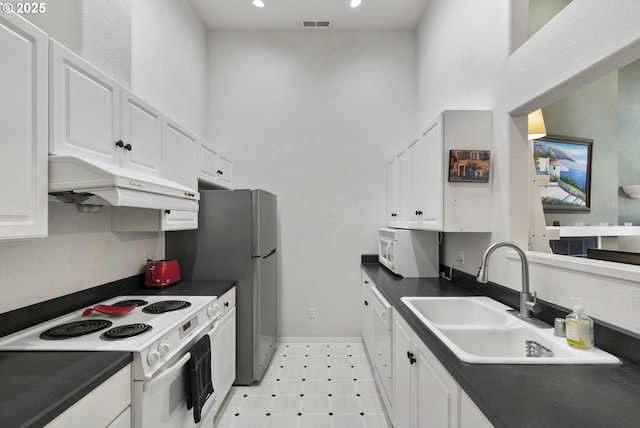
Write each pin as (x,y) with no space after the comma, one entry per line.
(461,256)
(312,313)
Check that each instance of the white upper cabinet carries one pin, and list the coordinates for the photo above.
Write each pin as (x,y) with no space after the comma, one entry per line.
(397,191)
(96,119)
(392,194)
(23,129)
(214,168)
(225,176)
(141,133)
(85,104)
(426,198)
(208,163)
(179,152)
(420,192)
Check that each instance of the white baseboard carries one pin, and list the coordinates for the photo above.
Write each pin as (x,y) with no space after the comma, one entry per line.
(319,339)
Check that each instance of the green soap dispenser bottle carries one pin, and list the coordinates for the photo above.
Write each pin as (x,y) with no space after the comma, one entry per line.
(579,329)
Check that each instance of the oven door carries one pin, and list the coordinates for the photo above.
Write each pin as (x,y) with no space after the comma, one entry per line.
(161,402)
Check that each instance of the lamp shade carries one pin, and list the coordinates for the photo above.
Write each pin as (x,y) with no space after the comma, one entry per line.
(536,125)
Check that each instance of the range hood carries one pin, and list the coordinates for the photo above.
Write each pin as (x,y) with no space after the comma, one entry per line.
(76,180)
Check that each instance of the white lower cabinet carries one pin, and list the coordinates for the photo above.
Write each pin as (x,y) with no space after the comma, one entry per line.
(425,394)
(223,349)
(470,415)
(367,327)
(122,421)
(108,405)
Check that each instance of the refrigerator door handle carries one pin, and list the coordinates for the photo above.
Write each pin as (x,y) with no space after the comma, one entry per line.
(272,252)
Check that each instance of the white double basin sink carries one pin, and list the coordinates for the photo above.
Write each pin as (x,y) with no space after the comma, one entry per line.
(479,330)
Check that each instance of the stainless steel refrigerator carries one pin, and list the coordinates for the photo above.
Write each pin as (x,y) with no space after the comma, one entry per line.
(237,239)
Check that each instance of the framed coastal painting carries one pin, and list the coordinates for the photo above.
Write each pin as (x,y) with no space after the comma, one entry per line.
(563,164)
(469,165)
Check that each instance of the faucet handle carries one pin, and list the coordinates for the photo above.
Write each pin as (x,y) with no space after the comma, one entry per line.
(533,305)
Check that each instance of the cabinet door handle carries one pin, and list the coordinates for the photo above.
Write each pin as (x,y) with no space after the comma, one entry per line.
(167,211)
(366,303)
(226,304)
(411,358)
(119,143)
(128,147)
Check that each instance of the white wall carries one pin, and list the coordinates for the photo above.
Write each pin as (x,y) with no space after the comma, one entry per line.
(313,116)
(62,22)
(97,30)
(106,37)
(169,60)
(462,48)
(80,252)
(138,43)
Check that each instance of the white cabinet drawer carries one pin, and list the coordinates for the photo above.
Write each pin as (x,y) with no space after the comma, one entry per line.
(100,407)
(227,300)
(122,421)
(125,219)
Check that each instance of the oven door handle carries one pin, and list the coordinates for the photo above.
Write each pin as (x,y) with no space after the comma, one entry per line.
(149,385)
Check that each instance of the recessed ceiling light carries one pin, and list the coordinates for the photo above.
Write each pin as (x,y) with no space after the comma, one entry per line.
(355,3)
(258,3)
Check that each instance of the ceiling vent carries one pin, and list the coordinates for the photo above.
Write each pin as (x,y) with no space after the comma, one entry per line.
(315,24)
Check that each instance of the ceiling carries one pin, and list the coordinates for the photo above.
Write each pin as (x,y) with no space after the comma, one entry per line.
(289,14)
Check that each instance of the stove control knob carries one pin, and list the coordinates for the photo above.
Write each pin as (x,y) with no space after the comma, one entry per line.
(164,347)
(153,357)
(213,311)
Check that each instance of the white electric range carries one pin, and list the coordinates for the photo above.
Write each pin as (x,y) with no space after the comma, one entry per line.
(159,332)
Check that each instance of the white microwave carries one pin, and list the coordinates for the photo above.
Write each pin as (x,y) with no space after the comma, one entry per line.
(409,253)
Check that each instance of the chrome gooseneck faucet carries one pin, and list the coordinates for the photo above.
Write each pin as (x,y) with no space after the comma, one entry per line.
(528,301)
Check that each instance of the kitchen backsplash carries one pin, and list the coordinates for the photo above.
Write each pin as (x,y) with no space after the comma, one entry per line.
(80,252)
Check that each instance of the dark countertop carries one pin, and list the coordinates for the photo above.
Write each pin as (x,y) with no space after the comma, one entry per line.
(191,288)
(36,387)
(39,386)
(524,396)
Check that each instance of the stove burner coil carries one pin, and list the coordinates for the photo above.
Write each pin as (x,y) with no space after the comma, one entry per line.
(165,306)
(75,329)
(131,302)
(125,331)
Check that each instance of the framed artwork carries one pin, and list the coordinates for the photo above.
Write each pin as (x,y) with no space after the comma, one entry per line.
(469,165)
(565,166)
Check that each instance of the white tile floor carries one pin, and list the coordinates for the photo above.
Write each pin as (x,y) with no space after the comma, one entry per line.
(309,385)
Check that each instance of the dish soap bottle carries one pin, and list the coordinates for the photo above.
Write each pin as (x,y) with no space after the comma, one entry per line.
(579,328)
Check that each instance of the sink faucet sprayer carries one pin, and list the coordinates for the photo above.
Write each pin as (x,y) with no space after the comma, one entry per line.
(528,301)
